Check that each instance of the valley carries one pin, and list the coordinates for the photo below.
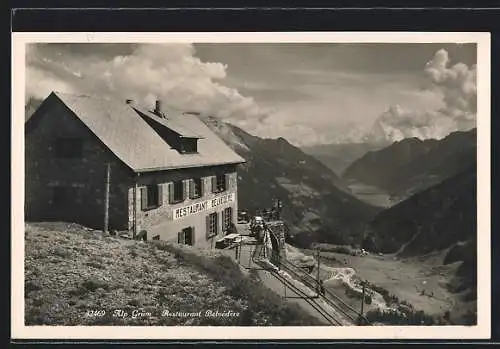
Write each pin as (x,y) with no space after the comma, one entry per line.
(370,194)
(412,165)
(421,284)
(338,157)
(393,284)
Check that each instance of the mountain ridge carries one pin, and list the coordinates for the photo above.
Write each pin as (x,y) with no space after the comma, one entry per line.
(338,156)
(417,217)
(411,165)
(317,206)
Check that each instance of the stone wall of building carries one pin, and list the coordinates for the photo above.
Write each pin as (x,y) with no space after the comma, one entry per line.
(86,175)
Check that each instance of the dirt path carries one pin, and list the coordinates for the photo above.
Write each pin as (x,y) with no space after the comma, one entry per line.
(401,249)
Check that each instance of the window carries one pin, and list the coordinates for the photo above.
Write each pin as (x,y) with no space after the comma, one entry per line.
(212,226)
(219,183)
(196,188)
(151,196)
(177,191)
(227,218)
(188,145)
(186,236)
(69,148)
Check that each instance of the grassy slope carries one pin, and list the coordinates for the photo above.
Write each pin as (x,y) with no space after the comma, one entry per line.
(69,271)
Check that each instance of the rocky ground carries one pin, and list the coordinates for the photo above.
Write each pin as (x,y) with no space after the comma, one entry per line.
(74,276)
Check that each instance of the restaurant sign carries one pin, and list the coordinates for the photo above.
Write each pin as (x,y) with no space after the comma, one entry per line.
(198,207)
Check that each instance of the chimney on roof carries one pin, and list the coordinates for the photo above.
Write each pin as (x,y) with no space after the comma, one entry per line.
(157,110)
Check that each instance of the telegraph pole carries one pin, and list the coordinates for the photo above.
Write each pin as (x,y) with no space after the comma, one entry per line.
(362,236)
(106,199)
(317,272)
(363,299)
(239,252)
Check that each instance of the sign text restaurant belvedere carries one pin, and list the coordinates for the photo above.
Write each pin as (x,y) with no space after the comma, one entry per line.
(198,207)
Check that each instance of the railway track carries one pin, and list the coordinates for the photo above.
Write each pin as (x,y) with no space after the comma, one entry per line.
(342,314)
(332,320)
(329,297)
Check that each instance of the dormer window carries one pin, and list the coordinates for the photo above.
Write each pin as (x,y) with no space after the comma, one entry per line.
(171,129)
(188,145)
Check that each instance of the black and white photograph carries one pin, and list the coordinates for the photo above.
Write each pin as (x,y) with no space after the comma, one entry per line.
(248,185)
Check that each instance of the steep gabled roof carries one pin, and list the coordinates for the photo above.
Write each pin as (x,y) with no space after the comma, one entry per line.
(172,122)
(133,141)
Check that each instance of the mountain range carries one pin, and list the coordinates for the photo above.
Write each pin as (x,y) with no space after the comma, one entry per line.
(433,219)
(412,165)
(339,156)
(317,206)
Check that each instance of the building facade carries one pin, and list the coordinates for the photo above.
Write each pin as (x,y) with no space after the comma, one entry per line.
(168,174)
(192,206)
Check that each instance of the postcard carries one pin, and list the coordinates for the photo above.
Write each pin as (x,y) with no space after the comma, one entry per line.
(326,185)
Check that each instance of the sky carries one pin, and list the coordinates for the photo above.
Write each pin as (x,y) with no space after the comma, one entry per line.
(307,93)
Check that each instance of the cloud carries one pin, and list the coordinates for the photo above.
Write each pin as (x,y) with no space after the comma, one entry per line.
(149,71)
(273,91)
(456,85)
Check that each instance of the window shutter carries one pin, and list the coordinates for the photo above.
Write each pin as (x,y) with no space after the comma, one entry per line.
(193,238)
(202,187)
(214,184)
(171,192)
(227,179)
(216,223)
(207,220)
(160,195)
(179,237)
(144,198)
(184,189)
(191,188)
(223,215)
